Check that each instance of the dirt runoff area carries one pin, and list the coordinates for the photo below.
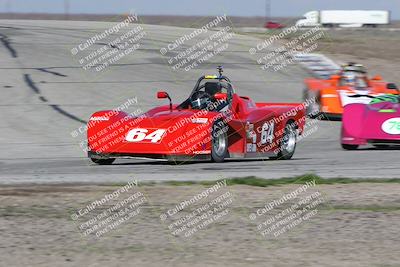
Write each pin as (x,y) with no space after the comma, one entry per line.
(200,225)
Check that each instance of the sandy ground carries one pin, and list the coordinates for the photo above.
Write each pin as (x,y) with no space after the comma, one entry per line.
(355,225)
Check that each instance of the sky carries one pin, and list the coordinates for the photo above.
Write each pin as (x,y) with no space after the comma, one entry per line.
(280,8)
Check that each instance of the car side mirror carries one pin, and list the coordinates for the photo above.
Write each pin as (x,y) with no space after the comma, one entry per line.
(220,96)
(162,95)
(391,86)
(377,78)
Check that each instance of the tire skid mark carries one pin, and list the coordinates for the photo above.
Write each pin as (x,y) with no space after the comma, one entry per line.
(31,84)
(43,99)
(67,114)
(7,44)
(46,70)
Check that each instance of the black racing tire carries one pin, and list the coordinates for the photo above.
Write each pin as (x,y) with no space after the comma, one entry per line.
(219,141)
(331,117)
(288,143)
(314,109)
(349,147)
(102,161)
(381,146)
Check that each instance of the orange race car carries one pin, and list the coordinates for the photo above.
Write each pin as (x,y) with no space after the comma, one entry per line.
(350,85)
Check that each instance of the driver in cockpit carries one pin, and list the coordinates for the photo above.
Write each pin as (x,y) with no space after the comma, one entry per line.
(205,99)
(355,80)
(355,76)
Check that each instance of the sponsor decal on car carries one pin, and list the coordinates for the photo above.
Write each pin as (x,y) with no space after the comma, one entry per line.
(391,126)
(99,118)
(202,152)
(251,147)
(200,120)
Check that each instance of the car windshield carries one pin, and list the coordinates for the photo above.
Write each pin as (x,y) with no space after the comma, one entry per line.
(203,95)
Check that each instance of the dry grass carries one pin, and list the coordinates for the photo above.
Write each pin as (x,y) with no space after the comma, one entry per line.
(356,226)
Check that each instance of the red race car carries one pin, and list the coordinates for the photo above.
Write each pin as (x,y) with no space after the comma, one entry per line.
(213,123)
(273,25)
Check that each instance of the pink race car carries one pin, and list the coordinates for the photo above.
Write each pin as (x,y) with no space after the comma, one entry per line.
(377,123)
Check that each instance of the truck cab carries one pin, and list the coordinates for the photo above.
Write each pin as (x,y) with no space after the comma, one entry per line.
(310,19)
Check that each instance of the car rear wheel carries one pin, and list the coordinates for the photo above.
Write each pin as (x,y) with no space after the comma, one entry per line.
(219,144)
(313,109)
(381,146)
(288,142)
(102,161)
(349,147)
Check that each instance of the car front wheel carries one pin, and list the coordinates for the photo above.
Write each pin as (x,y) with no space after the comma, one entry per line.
(219,144)
(102,161)
(349,147)
(312,99)
(288,142)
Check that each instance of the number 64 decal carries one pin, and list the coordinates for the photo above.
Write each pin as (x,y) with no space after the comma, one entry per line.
(267,133)
(145,135)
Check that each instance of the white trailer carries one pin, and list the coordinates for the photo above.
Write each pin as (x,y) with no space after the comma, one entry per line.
(345,18)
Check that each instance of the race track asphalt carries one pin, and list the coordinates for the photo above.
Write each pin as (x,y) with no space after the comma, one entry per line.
(46,95)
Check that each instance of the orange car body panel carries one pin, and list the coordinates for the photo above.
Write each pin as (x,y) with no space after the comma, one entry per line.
(329,92)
